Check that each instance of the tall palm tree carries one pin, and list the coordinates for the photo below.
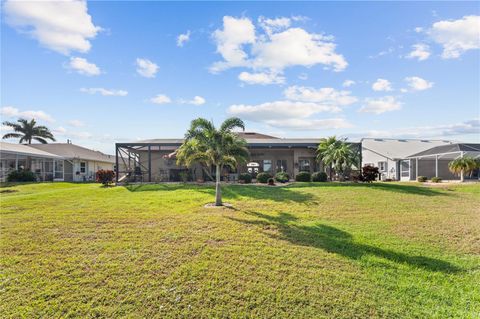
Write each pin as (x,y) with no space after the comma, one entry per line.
(337,154)
(325,152)
(206,144)
(462,165)
(27,131)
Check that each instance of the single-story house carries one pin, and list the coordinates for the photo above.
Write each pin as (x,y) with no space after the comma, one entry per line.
(47,166)
(434,161)
(149,160)
(81,164)
(390,154)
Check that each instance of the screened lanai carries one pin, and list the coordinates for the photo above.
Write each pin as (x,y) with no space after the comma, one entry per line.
(434,162)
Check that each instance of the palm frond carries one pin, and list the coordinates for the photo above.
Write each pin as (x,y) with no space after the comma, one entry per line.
(12,135)
(231,123)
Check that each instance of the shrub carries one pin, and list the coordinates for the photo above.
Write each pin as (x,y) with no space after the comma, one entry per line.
(369,173)
(263,177)
(21,176)
(303,177)
(105,176)
(436,180)
(245,177)
(319,177)
(422,179)
(282,177)
(184,176)
(271,181)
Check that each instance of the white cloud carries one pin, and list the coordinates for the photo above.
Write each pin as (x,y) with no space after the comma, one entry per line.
(10,112)
(418,84)
(380,105)
(310,124)
(76,123)
(104,92)
(348,83)
(418,29)
(59,130)
(146,68)
(382,85)
(303,76)
(278,47)
(183,38)
(456,36)
(328,96)
(261,78)
(419,51)
(161,99)
(197,100)
(82,66)
(62,26)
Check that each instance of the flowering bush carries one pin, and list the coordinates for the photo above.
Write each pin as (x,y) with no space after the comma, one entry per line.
(105,176)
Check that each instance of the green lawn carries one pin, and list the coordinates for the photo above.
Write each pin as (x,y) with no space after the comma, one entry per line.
(384,250)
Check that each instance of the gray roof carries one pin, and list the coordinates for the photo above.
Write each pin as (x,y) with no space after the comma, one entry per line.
(27,150)
(72,151)
(399,148)
(451,148)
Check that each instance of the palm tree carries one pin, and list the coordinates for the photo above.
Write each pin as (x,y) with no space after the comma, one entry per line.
(209,146)
(337,154)
(462,165)
(27,131)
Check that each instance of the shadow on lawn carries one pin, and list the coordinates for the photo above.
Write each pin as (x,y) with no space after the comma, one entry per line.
(280,194)
(334,240)
(391,187)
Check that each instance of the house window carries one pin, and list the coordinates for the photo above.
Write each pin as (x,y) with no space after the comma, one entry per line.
(304,165)
(83,167)
(267,165)
(281,166)
(382,166)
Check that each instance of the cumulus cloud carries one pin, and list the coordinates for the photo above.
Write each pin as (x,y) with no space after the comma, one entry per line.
(161,99)
(420,52)
(456,36)
(104,92)
(261,78)
(76,123)
(82,66)
(183,38)
(416,83)
(310,124)
(382,85)
(62,26)
(197,100)
(328,96)
(348,83)
(380,105)
(146,68)
(278,47)
(12,112)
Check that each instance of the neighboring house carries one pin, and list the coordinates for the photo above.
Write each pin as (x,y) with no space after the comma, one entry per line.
(81,163)
(149,160)
(434,161)
(389,155)
(47,166)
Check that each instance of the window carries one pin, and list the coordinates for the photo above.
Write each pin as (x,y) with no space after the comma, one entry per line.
(267,165)
(382,166)
(304,165)
(83,167)
(281,166)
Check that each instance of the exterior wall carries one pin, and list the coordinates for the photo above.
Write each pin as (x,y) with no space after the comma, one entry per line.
(372,158)
(90,169)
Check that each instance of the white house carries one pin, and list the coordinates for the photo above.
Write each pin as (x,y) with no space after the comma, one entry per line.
(390,155)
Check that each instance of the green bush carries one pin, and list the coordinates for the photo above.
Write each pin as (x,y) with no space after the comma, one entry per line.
(263,177)
(105,176)
(303,177)
(319,177)
(271,181)
(245,177)
(436,180)
(282,177)
(422,179)
(21,176)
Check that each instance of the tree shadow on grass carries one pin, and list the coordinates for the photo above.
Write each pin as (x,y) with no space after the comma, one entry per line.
(231,192)
(334,240)
(391,187)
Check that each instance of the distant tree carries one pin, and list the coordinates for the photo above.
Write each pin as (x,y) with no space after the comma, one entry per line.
(206,144)
(27,131)
(462,165)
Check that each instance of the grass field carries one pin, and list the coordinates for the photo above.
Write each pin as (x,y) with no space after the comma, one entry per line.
(384,250)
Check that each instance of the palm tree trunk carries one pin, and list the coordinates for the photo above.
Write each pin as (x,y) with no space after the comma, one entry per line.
(218,189)
(331,172)
(461,176)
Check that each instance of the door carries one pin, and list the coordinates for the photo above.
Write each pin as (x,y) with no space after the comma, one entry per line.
(58,170)
(405,170)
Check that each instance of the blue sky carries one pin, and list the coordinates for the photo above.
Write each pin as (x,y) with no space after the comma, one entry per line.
(101,72)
